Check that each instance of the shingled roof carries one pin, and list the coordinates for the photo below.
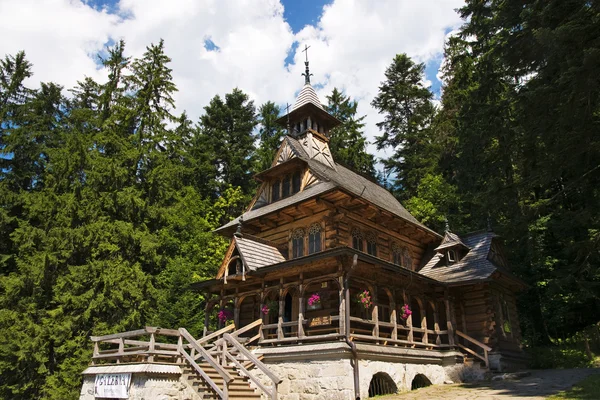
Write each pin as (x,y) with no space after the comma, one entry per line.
(473,266)
(340,178)
(257,253)
(451,240)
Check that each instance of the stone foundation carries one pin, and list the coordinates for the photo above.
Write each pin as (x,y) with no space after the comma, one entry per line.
(325,372)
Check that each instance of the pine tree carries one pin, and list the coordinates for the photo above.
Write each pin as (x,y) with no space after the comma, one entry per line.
(347,141)
(408,114)
(270,135)
(225,144)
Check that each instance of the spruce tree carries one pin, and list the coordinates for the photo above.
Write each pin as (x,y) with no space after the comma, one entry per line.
(347,142)
(270,135)
(406,128)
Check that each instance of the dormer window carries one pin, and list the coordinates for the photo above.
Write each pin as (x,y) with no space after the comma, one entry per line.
(286,186)
(276,187)
(296,182)
(452,256)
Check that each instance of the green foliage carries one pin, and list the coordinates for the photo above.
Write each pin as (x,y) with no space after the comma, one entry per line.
(588,389)
(558,357)
(226,140)
(103,222)
(408,114)
(270,134)
(347,142)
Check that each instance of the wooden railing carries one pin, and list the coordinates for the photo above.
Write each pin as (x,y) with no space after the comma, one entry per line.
(217,350)
(225,345)
(479,347)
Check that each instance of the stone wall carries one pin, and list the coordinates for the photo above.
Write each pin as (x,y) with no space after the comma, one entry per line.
(334,379)
(148,387)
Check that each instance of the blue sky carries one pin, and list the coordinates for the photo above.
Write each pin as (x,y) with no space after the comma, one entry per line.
(254,45)
(298,14)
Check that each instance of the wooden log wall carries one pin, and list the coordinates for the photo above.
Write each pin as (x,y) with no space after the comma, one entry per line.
(476,313)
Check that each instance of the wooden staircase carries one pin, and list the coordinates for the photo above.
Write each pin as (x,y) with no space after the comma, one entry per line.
(238,389)
(217,366)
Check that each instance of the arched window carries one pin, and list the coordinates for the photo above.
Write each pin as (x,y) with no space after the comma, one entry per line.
(296,182)
(314,238)
(396,254)
(407,259)
(372,244)
(285,187)
(357,239)
(275,191)
(298,243)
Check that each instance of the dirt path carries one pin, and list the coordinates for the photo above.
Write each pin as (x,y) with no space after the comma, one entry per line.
(538,386)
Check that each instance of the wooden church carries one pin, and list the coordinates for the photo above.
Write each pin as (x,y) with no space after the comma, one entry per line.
(324,256)
(330,289)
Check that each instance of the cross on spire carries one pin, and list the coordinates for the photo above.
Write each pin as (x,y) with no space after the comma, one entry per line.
(306,74)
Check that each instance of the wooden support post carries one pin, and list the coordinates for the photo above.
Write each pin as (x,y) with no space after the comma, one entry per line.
(121,349)
(436,324)
(236,310)
(424,338)
(375,313)
(281,310)
(301,306)
(342,308)
(409,321)
(393,316)
(180,349)
(206,319)
(264,317)
(450,325)
(151,347)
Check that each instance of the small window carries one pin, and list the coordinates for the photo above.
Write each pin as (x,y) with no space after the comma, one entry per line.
(298,243)
(285,187)
(357,240)
(505,317)
(296,182)
(451,256)
(275,194)
(396,254)
(372,244)
(314,239)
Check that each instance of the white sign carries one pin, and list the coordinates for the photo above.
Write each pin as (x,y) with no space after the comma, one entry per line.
(112,386)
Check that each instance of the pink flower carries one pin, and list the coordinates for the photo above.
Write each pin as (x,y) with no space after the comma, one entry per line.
(224,315)
(265,309)
(314,299)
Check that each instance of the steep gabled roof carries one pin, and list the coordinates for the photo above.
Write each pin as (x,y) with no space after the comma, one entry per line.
(451,240)
(257,253)
(338,178)
(473,266)
(254,252)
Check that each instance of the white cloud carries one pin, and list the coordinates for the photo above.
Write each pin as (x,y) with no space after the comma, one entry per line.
(351,45)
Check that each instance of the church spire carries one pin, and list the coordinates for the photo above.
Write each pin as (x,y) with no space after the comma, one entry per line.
(307,73)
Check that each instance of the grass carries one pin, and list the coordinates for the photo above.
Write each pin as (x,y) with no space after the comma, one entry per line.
(587,389)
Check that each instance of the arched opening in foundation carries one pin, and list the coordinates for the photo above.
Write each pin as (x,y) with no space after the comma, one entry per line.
(420,381)
(381,384)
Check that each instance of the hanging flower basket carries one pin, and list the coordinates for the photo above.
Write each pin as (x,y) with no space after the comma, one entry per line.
(224,315)
(405,311)
(364,299)
(314,300)
(265,309)
(271,308)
